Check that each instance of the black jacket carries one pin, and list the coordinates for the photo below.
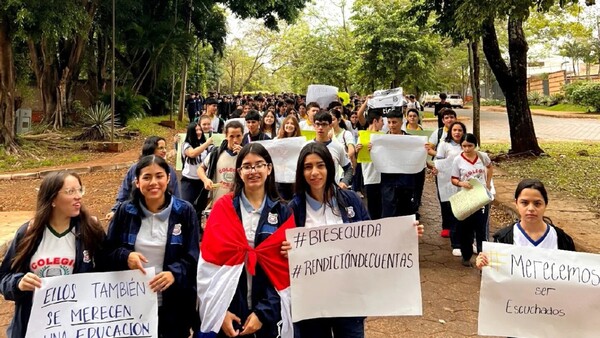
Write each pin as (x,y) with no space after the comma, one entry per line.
(565,242)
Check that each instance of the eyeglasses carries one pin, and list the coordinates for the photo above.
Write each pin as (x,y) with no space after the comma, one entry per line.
(73,191)
(321,124)
(258,166)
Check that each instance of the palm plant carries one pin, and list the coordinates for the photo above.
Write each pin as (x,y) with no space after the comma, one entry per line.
(98,118)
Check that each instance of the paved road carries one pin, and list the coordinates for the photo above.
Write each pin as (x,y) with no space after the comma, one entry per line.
(494,127)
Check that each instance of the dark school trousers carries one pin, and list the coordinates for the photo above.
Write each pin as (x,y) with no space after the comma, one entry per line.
(339,327)
(450,222)
(374,202)
(397,192)
(474,224)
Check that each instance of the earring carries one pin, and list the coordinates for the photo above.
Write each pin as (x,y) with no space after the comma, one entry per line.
(53,205)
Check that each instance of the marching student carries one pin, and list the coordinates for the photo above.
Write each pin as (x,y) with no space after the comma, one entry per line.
(311,110)
(472,164)
(533,228)
(322,124)
(254,132)
(269,124)
(244,220)
(218,168)
(372,177)
(62,231)
(448,149)
(157,229)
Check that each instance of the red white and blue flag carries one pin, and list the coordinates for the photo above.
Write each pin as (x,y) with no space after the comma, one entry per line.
(224,253)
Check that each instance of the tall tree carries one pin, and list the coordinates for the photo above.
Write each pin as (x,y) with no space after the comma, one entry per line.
(393,51)
(7,86)
(463,19)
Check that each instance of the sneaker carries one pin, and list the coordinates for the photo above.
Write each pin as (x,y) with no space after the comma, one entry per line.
(467,263)
(445,233)
(456,252)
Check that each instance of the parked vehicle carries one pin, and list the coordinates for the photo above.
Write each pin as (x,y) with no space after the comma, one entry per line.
(455,100)
(429,100)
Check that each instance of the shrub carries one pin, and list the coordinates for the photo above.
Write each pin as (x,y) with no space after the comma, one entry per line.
(585,94)
(98,119)
(534,98)
(128,104)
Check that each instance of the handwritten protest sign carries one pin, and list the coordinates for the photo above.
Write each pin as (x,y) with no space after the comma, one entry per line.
(284,153)
(386,100)
(110,304)
(322,94)
(366,268)
(364,138)
(531,292)
(444,177)
(467,201)
(398,154)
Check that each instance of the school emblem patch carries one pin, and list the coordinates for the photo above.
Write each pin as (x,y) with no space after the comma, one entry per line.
(350,211)
(86,256)
(272,218)
(177,230)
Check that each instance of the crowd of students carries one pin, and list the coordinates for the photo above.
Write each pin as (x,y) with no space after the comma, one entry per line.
(156,219)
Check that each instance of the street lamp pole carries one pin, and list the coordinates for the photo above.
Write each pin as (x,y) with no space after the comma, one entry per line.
(112,87)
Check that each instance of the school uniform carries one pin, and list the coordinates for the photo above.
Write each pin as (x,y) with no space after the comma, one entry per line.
(310,213)
(554,238)
(176,229)
(10,277)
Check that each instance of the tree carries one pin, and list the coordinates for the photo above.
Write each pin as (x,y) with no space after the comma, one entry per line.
(393,51)
(464,19)
(7,86)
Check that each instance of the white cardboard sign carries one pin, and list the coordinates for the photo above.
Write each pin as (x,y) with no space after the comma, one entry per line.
(321,94)
(532,292)
(398,154)
(284,153)
(368,268)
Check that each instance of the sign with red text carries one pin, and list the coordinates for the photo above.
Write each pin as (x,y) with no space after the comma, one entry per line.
(108,304)
(368,268)
(532,292)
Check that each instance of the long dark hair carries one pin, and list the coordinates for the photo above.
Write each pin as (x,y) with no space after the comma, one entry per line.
(150,145)
(533,183)
(449,135)
(302,186)
(259,150)
(274,126)
(192,138)
(90,231)
(136,195)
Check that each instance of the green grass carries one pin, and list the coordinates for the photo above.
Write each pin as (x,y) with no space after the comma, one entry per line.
(564,170)
(565,107)
(39,153)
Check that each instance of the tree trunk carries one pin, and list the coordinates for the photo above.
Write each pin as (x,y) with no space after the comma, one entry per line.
(7,89)
(475,85)
(513,82)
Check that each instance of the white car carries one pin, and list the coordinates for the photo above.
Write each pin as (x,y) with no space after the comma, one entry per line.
(455,100)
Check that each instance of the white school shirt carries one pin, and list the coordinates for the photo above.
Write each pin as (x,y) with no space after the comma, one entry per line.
(250,218)
(548,241)
(305,126)
(446,151)
(190,170)
(464,169)
(151,240)
(55,256)
(318,214)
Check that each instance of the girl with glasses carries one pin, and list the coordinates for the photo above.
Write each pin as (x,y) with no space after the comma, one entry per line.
(61,227)
(242,221)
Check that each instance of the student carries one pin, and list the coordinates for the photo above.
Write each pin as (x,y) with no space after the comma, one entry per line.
(448,150)
(311,110)
(218,168)
(198,142)
(322,124)
(397,190)
(254,133)
(61,228)
(217,124)
(372,177)
(438,108)
(472,164)
(448,117)
(533,229)
(153,145)
(255,212)
(157,229)
(412,121)
(290,128)
(269,124)
(319,201)
(342,135)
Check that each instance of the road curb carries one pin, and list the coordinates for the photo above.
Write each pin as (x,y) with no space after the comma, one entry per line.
(566,115)
(78,170)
